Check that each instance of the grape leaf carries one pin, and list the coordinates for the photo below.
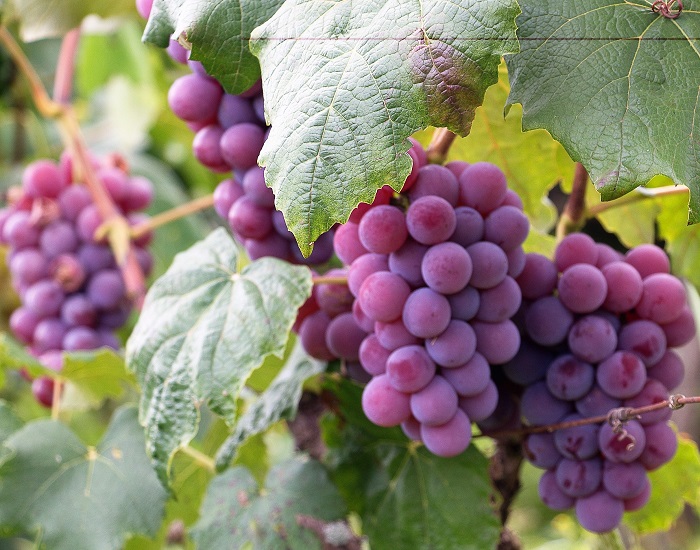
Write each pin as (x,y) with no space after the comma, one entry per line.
(54,18)
(76,496)
(532,161)
(9,421)
(91,377)
(203,329)
(345,87)
(672,486)
(618,85)
(279,400)
(408,497)
(218,33)
(236,512)
(14,356)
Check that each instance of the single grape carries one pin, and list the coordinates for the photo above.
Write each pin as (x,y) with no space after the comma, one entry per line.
(465,303)
(346,243)
(382,296)
(507,227)
(540,450)
(500,302)
(23,322)
(652,392)
(635,503)
(469,228)
(577,442)
(407,261)
(362,267)
(409,369)
(623,480)
(453,347)
(373,356)
(547,321)
(596,403)
(490,264)
(669,370)
(207,150)
(626,446)
(384,405)
(482,186)
(579,478)
(195,98)
(592,338)
(582,288)
(73,200)
(682,330)
(645,338)
(648,259)
(663,298)
(49,334)
(383,229)
(482,405)
(430,220)
(28,266)
(42,178)
(434,404)
(394,335)
(435,180)
(540,407)
(661,445)
(248,219)
(497,342)
(44,298)
(254,186)
(575,248)
(624,287)
(599,512)
(550,493)
(471,378)
(426,313)
(621,375)
(446,268)
(312,334)
(538,278)
(241,144)
(343,337)
(106,289)
(449,439)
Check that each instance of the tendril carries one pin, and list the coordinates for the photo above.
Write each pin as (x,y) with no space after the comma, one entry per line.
(670,9)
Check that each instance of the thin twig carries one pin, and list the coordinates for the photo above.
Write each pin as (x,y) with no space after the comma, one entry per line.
(65,68)
(674,402)
(573,217)
(440,145)
(172,215)
(323,280)
(639,194)
(200,458)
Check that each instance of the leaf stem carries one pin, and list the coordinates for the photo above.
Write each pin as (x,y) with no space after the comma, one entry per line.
(171,215)
(200,458)
(65,69)
(573,217)
(440,145)
(622,415)
(323,280)
(640,194)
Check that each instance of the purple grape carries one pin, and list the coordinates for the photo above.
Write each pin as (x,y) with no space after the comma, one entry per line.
(77,310)
(469,228)
(596,403)
(579,478)
(271,245)
(626,446)
(23,322)
(49,334)
(538,278)
(28,266)
(382,296)
(334,299)
(249,220)
(592,338)
(454,346)
(44,298)
(661,445)
(364,322)
(607,255)
(234,110)
(394,335)
(312,334)
(540,407)
(482,186)
(139,195)
(407,261)
(95,257)
(435,180)
(471,378)
(383,229)
(652,392)
(669,370)
(446,268)
(426,313)
(431,220)
(409,369)
(599,512)
(346,243)
(364,266)
(43,178)
(635,503)
(465,303)
(411,428)
(582,288)
(648,259)
(19,232)
(241,145)
(529,364)
(106,289)
(73,200)
(569,378)
(507,227)
(490,265)
(575,248)
(547,321)
(621,375)
(624,287)
(384,405)
(540,450)
(115,181)
(516,261)
(682,330)
(42,389)
(343,337)
(373,356)
(435,404)
(663,298)
(194,98)
(623,480)
(87,223)
(58,238)
(577,442)
(497,342)
(206,149)
(551,494)
(645,338)
(480,406)
(81,338)
(500,302)
(255,188)
(449,439)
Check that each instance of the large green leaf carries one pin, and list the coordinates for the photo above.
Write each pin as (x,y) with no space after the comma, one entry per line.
(237,512)
(76,497)
(279,400)
(532,161)
(53,18)
(218,32)
(346,84)
(9,421)
(618,85)
(672,486)
(408,497)
(203,329)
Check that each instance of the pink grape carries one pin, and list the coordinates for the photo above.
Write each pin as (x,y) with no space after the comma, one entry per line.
(384,405)
(449,439)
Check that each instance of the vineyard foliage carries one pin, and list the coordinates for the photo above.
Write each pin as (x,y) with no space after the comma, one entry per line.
(211,427)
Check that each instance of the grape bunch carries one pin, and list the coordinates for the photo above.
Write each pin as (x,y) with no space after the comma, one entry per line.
(72,293)
(597,331)
(432,275)
(230,131)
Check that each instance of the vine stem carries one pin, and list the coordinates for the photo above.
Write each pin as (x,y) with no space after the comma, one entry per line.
(172,215)
(440,145)
(200,458)
(67,121)
(323,280)
(640,194)
(574,215)
(623,414)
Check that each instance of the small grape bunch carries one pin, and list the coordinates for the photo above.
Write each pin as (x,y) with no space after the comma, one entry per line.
(598,328)
(73,296)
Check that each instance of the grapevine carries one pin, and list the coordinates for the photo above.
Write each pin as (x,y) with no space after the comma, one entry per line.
(305,274)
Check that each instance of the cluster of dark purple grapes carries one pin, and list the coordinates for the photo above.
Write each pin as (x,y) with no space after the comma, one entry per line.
(230,131)
(432,276)
(597,328)
(73,295)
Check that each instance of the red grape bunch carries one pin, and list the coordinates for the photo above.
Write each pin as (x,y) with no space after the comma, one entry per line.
(432,275)
(72,292)
(598,327)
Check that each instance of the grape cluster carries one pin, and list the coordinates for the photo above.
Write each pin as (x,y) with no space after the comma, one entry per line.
(230,131)
(73,295)
(432,275)
(597,328)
